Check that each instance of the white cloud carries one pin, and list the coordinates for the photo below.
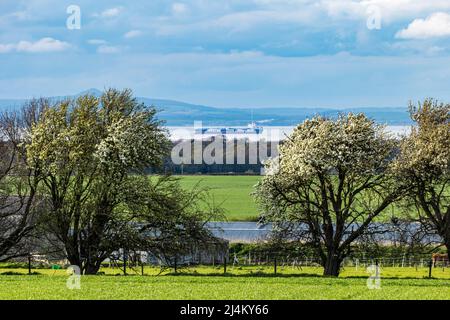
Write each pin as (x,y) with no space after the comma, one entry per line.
(42,45)
(391,10)
(244,20)
(111,12)
(418,48)
(241,21)
(179,8)
(107,49)
(97,42)
(20,15)
(5,48)
(132,34)
(435,25)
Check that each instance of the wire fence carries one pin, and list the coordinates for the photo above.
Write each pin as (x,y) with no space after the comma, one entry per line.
(223,263)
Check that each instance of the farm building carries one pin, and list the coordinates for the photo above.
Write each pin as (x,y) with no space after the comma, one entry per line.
(240,232)
(210,253)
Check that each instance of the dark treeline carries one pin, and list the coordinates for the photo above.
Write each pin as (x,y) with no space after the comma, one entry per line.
(219,156)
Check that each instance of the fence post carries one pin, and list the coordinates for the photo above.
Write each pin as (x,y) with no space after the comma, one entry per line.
(29,263)
(377,268)
(430,268)
(275,265)
(225,264)
(125,257)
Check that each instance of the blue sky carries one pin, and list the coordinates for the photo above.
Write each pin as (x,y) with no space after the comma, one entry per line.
(249,53)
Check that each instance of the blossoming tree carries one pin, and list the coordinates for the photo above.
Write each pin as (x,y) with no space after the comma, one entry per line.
(330,182)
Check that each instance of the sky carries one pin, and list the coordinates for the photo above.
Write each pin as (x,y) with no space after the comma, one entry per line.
(230,53)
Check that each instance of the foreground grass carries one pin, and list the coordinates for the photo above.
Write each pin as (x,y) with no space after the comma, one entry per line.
(253,283)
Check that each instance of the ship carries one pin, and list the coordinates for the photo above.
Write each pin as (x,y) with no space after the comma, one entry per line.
(252,128)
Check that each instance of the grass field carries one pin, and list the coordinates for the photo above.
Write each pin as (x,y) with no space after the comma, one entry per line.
(232,191)
(251,283)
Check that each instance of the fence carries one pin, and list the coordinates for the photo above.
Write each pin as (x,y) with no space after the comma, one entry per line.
(265,262)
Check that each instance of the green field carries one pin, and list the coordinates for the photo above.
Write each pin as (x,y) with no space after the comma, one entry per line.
(233,192)
(252,283)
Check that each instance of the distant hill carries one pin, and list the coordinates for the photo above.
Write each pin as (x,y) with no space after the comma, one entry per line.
(176,113)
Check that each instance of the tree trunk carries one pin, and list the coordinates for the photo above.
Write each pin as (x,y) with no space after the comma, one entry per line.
(74,262)
(332,265)
(447,246)
(87,267)
(91,269)
(74,258)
